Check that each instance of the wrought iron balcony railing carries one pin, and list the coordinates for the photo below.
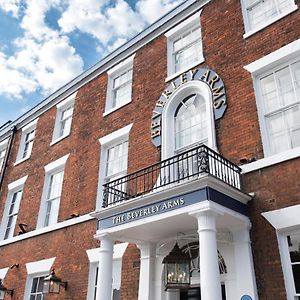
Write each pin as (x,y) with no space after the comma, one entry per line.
(187,165)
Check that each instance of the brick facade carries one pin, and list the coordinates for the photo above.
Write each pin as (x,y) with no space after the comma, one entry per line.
(238,137)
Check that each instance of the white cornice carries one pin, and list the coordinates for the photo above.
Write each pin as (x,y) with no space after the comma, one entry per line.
(162,25)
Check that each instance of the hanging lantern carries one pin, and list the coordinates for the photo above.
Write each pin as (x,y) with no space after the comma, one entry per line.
(4,290)
(177,269)
(52,284)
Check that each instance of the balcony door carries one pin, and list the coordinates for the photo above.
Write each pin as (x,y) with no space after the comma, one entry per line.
(190,123)
(188,119)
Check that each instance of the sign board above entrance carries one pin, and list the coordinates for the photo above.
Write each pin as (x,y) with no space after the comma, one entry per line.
(209,77)
(169,204)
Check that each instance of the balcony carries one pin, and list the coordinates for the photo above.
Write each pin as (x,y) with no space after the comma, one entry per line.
(191,164)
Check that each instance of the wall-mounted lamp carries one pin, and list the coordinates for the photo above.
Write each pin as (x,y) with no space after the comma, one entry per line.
(52,284)
(4,291)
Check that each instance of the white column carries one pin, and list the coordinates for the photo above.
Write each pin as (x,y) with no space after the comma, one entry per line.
(245,276)
(147,268)
(104,283)
(210,283)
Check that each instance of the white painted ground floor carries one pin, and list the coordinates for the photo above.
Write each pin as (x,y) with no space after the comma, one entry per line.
(216,237)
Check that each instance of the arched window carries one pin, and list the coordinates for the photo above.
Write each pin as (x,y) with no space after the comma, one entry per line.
(188,119)
(190,122)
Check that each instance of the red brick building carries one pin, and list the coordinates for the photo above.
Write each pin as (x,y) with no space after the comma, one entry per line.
(190,134)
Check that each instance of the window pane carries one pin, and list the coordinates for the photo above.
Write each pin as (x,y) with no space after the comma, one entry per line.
(281,104)
(190,122)
(187,56)
(285,86)
(12,214)
(293,120)
(279,138)
(30,135)
(65,122)
(40,285)
(122,95)
(122,88)
(269,92)
(187,49)
(2,155)
(34,285)
(259,12)
(296,274)
(37,288)
(10,226)
(53,198)
(117,159)
(296,77)
(294,247)
(55,185)
(27,148)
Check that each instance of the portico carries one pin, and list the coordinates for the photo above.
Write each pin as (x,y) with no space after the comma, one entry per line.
(203,214)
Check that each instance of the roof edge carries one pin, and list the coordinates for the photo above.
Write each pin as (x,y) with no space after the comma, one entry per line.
(147,35)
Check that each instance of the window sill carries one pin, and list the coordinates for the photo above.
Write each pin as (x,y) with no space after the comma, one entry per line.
(109,111)
(172,76)
(44,230)
(59,139)
(21,160)
(268,23)
(271,160)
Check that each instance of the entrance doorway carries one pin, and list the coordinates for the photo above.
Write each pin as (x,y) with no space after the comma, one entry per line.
(194,293)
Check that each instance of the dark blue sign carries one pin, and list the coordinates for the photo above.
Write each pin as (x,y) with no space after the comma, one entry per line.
(172,204)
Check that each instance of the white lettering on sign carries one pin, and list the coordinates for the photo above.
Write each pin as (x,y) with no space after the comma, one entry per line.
(147,211)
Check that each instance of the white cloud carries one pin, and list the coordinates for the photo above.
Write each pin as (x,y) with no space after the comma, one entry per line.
(44,59)
(117,22)
(10,6)
(13,82)
(86,17)
(151,10)
(117,43)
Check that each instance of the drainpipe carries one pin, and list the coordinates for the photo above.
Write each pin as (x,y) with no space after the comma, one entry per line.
(12,135)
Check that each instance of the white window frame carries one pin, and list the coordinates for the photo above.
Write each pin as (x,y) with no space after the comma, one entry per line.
(60,108)
(3,147)
(258,68)
(35,269)
(113,73)
(25,130)
(50,169)
(168,130)
(3,273)
(185,26)
(285,221)
(249,31)
(93,256)
(13,187)
(106,143)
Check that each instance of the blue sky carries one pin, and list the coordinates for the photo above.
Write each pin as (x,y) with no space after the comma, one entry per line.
(46,43)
